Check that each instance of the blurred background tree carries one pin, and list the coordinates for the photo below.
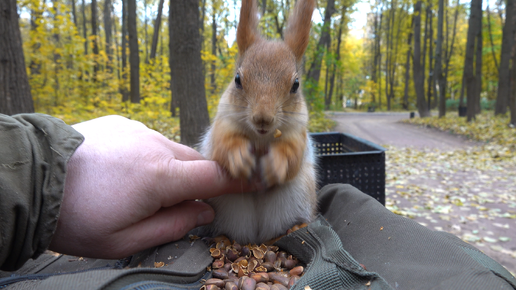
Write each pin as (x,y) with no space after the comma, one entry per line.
(408,55)
(15,95)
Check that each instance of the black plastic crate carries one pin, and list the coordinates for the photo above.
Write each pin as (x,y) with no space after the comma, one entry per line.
(344,158)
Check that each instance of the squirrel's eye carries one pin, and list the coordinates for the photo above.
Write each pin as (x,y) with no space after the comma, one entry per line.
(295,86)
(238,83)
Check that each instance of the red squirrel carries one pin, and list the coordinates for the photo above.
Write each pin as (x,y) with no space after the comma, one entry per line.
(260,130)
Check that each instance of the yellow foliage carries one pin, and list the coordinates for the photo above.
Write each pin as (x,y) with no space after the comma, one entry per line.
(487,128)
(319,122)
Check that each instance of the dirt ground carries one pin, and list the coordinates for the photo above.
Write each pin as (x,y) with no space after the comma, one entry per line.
(441,181)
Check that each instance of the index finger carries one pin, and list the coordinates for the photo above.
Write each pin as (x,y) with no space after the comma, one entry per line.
(199,179)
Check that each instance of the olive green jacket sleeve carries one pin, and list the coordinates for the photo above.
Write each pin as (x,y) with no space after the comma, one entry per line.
(34,151)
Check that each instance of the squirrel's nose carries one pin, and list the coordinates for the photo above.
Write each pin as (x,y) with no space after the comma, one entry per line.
(263,120)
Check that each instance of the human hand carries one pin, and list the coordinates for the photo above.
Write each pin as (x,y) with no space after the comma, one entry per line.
(129,188)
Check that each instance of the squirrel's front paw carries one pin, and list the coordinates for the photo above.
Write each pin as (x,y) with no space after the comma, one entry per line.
(274,167)
(237,159)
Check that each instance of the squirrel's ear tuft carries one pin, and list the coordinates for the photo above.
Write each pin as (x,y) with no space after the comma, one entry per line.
(247,32)
(298,28)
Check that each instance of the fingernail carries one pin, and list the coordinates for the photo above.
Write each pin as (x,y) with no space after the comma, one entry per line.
(205,217)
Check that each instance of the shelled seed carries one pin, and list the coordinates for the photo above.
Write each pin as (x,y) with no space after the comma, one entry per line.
(246,283)
(293,280)
(278,287)
(220,273)
(276,277)
(296,271)
(231,286)
(215,281)
(262,286)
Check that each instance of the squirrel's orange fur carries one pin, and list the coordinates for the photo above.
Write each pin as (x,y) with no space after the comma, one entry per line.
(265,97)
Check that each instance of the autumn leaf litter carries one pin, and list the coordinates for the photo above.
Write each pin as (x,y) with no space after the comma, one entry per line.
(470,192)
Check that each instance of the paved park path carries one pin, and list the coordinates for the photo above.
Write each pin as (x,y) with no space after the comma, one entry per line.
(386,129)
(443,181)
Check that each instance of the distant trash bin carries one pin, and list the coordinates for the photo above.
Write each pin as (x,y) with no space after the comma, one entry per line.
(412,115)
(370,109)
(463,111)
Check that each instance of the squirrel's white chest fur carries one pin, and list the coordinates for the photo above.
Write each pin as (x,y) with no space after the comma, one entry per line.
(261,216)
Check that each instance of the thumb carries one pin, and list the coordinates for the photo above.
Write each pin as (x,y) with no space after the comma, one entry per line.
(167,225)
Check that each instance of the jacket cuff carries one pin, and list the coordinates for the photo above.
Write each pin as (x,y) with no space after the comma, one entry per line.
(34,151)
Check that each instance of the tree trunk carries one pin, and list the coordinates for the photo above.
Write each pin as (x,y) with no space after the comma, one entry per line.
(438,60)
(174,101)
(388,53)
(134,57)
(35,65)
(84,27)
(201,19)
(157,27)
(512,96)
(393,56)
(123,86)
(314,73)
(74,13)
(491,36)
(430,37)
(424,54)
(145,32)
(15,95)
(186,70)
(463,86)
(504,86)
(449,50)
(57,56)
(337,52)
(107,30)
(94,38)
(376,51)
(478,70)
(407,65)
(416,66)
(474,29)
(327,100)
(379,81)
(70,57)
(213,52)
(513,110)
(279,26)
(117,51)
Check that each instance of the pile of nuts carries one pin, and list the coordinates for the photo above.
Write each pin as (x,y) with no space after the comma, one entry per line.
(251,267)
